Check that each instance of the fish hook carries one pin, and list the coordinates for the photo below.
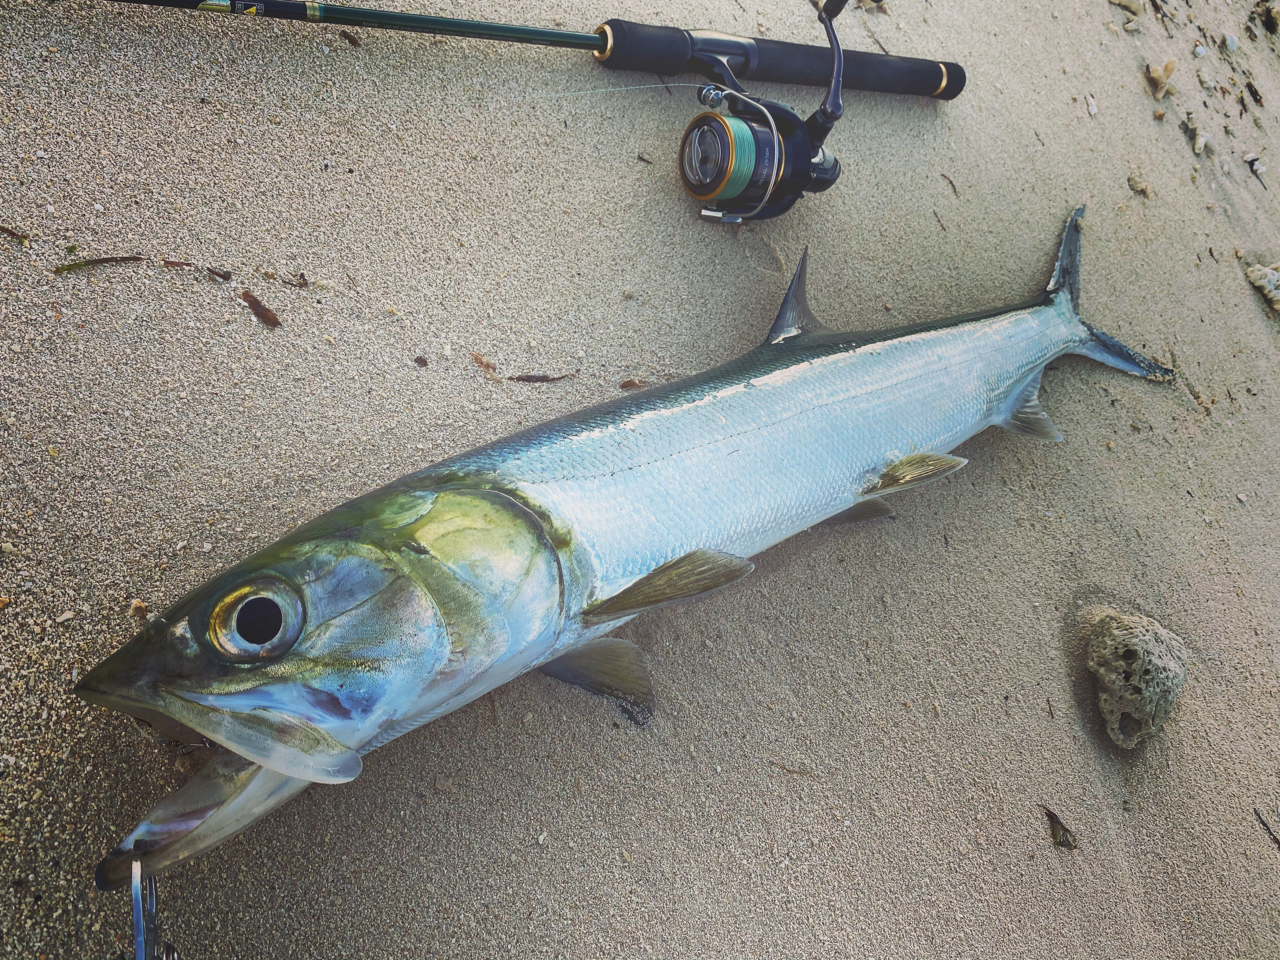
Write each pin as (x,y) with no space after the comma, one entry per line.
(146,937)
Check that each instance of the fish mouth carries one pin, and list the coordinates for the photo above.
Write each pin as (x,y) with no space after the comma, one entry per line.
(227,794)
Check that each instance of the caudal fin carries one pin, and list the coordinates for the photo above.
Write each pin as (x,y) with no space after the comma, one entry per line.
(1107,349)
(1100,346)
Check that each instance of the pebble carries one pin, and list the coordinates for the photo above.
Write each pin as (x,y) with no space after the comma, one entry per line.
(1232,43)
(1199,51)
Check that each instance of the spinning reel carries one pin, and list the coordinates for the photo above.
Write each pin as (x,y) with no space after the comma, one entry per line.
(758,160)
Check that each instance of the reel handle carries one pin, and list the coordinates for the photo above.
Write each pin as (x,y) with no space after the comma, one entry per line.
(670,50)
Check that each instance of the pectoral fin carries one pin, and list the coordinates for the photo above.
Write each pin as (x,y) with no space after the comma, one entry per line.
(1026,416)
(872,508)
(685,577)
(612,668)
(912,471)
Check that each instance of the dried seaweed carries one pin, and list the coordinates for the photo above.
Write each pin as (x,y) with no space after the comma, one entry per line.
(223,275)
(263,313)
(631,384)
(96,262)
(10,232)
(539,377)
(350,37)
(421,361)
(299,280)
(489,369)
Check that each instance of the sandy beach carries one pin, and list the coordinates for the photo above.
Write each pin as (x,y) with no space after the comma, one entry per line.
(852,744)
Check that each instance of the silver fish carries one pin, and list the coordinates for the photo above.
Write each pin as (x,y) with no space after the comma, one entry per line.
(408,602)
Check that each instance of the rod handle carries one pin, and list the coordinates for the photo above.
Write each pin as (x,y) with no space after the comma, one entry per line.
(670,50)
(645,48)
(781,62)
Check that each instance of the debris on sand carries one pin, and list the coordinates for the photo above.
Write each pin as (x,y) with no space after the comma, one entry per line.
(260,310)
(1159,76)
(96,262)
(1266,279)
(1062,837)
(1140,667)
(539,377)
(489,369)
(1138,184)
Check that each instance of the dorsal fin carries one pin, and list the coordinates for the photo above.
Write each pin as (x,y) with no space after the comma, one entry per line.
(794,316)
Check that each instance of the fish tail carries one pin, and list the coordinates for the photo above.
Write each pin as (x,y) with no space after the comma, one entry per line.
(1096,344)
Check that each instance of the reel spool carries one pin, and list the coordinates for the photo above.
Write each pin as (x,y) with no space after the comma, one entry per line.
(760,158)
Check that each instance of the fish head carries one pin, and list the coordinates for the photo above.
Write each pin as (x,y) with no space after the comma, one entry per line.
(382,614)
(344,633)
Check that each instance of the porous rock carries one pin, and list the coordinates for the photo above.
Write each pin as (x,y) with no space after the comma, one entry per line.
(1140,667)
(1266,279)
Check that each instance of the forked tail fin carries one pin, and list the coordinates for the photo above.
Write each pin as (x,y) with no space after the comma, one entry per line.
(1107,349)
(1100,346)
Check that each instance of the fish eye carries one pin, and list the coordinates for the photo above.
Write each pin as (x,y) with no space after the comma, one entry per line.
(257,620)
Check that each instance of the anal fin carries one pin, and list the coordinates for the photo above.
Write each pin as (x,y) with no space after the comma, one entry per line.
(612,668)
(913,470)
(684,578)
(871,508)
(1026,416)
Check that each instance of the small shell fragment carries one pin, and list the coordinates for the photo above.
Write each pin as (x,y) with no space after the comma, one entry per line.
(1159,76)
(1093,104)
(137,609)
(1131,6)
(1138,184)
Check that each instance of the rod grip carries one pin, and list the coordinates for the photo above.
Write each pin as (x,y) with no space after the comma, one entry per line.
(670,50)
(781,62)
(639,46)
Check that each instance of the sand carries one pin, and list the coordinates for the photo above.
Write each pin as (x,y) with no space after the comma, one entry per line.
(853,743)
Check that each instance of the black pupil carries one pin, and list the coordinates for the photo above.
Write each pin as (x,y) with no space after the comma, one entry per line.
(259,620)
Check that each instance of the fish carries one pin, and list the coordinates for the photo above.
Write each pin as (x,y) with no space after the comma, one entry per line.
(412,600)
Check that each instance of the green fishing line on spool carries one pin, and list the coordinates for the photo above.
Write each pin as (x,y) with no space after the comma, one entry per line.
(744,158)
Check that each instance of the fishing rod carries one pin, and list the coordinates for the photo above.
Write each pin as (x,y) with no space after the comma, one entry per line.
(751,165)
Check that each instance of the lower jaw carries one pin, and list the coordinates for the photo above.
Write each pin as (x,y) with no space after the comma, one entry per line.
(227,795)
